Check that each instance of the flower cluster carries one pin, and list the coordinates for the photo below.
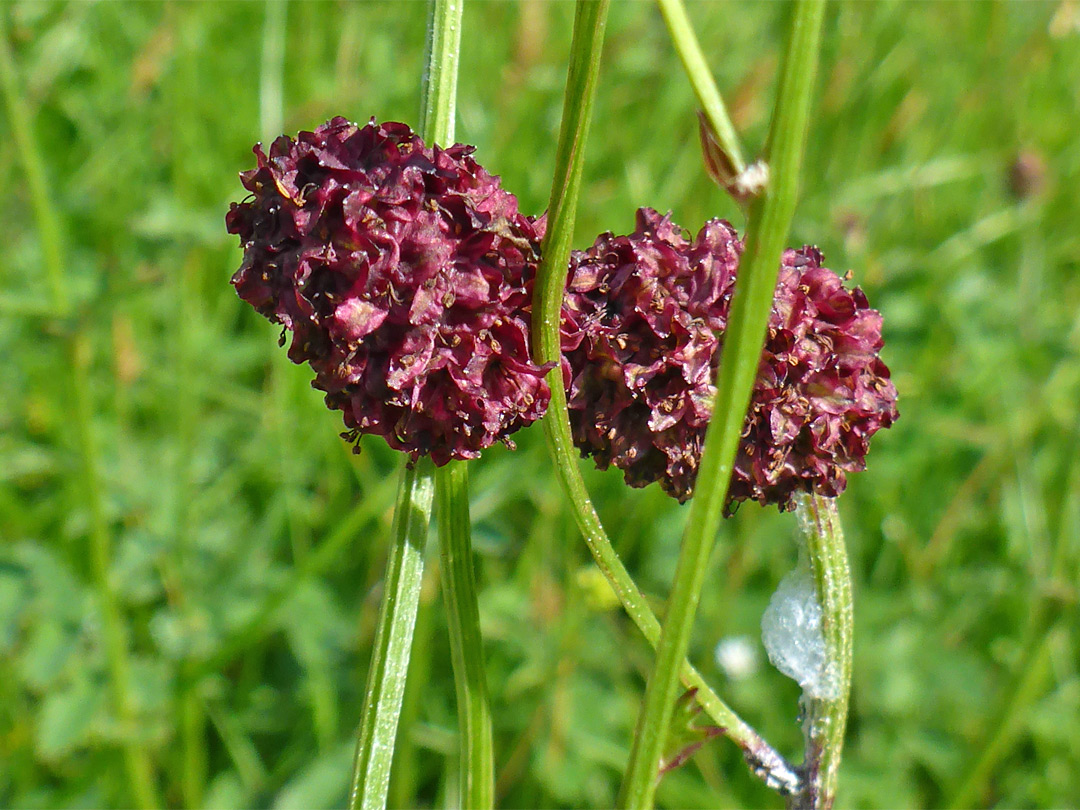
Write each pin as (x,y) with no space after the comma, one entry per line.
(821,392)
(404,273)
(639,336)
(640,324)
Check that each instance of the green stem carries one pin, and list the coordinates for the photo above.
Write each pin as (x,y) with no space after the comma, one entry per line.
(770,219)
(477,776)
(550,286)
(48,224)
(439,100)
(476,780)
(137,761)
(701,79)
(406,775)
(825,716)
(393,638)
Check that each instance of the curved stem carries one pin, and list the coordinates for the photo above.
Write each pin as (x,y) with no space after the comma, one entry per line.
(477,776)
(701,79)
(393,638)
(770,218)
(825,718)
(137,761)
(551,280)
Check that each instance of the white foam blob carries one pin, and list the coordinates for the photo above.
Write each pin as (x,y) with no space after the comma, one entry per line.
(792,634)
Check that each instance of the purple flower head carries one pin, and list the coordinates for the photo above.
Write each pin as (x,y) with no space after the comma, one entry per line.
(640,324)
(405,274)
(640,338)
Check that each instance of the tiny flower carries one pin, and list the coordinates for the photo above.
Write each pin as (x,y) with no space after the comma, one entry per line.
(642,332)
(404,273)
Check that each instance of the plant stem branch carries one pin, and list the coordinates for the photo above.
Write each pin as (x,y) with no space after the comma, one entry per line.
(764,760)
(477,776)
(825,718)
(701,79)
(137,761)
(393,638)
(770,219)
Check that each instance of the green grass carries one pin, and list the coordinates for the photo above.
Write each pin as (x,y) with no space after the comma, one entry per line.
(248,544)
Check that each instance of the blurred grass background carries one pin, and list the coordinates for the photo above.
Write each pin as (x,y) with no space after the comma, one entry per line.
(171,486)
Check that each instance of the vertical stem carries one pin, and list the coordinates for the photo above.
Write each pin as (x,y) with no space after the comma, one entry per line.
(439,101)
(477,775)
(405,776)
(393,638)
(476,779)
(766,762)
(824,719)
(192,735)
(137,761)
(770,219)
(48,223)
(186,369)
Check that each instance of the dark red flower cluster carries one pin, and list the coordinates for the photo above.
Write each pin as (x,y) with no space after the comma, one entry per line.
(640,324)
(405,274)
(639,337)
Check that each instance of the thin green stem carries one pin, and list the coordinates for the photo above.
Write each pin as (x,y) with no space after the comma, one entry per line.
(476,780)
(825,716)
(137,761)
(185,368)
(393,638)
(48,223)
(477,775)
(770,219)
(439,102)
(701,79)
(551,281)
(407,772)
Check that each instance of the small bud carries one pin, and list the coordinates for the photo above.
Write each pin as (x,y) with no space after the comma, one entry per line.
(741,185)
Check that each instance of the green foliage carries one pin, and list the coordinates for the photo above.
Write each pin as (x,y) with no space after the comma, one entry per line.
(248,544)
